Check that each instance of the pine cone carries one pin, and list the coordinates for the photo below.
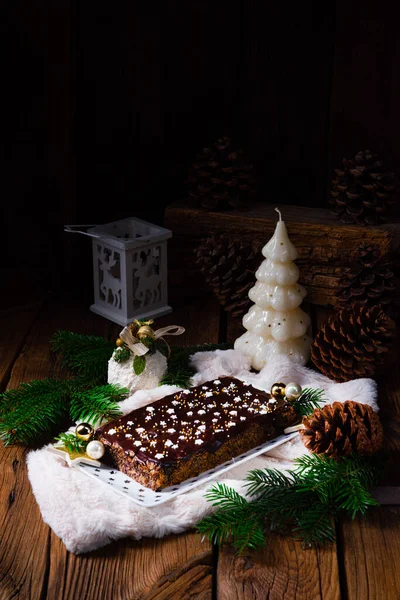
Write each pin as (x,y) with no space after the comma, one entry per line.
(221,177)
(352,343)
(362,190)
(228,267)
(341,428)
(369,280)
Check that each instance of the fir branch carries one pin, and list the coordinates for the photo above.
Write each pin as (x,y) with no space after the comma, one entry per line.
(277,497)
(305,500)
(84,355)
(97,404)
(181,377)
(249,534)
(261,482)
(226,498)
(315,523)
(234,520)
(71,442)
(309,400)
(33,410)
(346,481)
(221,526)
(179,371)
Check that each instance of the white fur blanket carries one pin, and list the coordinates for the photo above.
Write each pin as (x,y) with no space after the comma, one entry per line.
(85,514)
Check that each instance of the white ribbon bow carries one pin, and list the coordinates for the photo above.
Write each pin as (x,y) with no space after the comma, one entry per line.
(136,345)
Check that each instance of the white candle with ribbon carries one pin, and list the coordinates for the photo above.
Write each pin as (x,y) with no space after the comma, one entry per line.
(276,325)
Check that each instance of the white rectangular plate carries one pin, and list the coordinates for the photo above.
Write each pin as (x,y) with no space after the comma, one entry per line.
(124,485)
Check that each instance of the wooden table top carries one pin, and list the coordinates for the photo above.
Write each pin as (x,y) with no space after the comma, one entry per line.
(363,563)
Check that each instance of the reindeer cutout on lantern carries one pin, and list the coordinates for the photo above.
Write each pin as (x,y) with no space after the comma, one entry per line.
(110,284)
(147,276)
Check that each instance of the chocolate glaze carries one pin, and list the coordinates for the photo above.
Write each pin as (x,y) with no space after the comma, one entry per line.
(199,419)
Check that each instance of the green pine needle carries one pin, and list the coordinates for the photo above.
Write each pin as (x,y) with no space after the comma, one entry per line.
(97,404)
(33,410)
(226,498)
(84,355)
(306,501)
(314,524)
(179,371)
(309,400)
(71,442)
(181,377)
(345,481)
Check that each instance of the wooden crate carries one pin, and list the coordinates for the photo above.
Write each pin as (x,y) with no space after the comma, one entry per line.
(325,246)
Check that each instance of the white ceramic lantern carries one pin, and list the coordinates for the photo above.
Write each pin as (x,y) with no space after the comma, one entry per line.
(129,270)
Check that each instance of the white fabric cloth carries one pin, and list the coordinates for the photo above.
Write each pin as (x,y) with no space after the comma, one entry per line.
(86,515)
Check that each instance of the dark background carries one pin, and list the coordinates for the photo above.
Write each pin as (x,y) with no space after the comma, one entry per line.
(106,104)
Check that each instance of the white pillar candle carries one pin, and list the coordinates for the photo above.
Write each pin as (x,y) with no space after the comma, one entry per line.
(276,325)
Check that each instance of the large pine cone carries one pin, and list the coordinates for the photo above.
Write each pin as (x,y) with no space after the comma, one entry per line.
(352,343)
(229,269)
(339,429)
(362,190)
(369,280)
(222,177)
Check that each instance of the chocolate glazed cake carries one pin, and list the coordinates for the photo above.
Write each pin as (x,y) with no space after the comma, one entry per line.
(194,430)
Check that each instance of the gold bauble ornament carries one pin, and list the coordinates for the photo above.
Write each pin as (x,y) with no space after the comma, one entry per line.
(278,390)
(84,431)
(119,342)
(145,331)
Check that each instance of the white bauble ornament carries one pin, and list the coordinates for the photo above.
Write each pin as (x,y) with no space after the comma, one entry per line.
(95,449)
(124,375)
(293,390)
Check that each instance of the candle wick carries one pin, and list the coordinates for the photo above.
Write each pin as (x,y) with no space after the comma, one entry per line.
(279,212)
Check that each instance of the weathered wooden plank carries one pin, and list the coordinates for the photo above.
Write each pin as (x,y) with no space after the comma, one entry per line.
(15,326)
(370,553)
(325,246)
(306,226)
(174,567)
(25,539)
(283,570)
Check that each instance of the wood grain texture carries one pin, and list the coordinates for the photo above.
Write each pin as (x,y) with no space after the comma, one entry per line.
(282,571)
(24,565)
(15,325)
(324,246)
(174,567)
(370,554)
(24,538)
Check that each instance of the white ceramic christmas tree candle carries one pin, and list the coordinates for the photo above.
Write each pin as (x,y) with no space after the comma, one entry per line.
(276,325)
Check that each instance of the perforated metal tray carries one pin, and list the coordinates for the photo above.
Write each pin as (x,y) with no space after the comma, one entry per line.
(129,488)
